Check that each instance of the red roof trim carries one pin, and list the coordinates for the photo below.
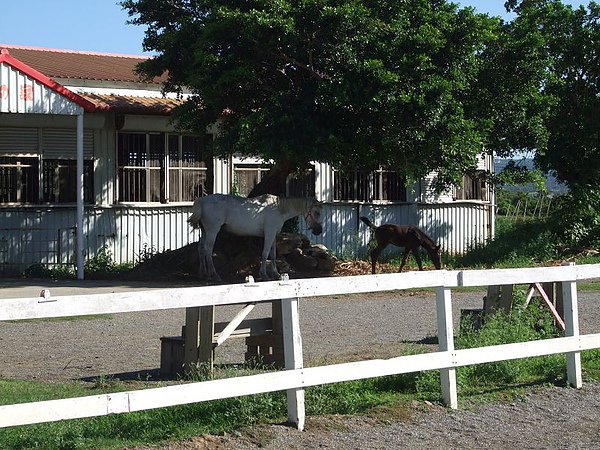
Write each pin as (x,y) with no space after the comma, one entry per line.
(40,77)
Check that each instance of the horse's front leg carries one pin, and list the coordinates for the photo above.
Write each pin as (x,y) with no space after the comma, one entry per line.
(404,258)
(269,252)
(418,257)
(273,257)
(206,251)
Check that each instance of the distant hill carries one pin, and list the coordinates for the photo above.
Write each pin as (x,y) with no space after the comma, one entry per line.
(552,185)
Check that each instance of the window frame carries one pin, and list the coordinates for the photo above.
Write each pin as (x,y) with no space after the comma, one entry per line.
(472,187)
(148,173)
(369,186)
(48,187)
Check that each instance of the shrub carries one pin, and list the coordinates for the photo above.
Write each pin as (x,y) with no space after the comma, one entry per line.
(523,323)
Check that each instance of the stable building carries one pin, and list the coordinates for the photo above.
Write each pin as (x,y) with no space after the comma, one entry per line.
(90,162)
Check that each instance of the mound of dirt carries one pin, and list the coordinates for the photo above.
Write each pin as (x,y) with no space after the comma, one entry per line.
(236,257)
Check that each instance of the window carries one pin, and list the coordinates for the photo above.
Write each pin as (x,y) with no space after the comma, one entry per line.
(139,167)
(472,188)
(188,175)
(158,167)
(20,181)
(60,181)
(247,176)
(367,186)
(302,185)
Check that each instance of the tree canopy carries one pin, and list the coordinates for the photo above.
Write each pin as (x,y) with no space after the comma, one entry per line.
(572,89)
(418,86)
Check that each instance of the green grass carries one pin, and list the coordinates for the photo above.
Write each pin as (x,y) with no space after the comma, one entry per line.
(385,397)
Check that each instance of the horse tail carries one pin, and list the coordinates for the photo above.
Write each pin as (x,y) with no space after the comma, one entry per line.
(370,224)
(194,219)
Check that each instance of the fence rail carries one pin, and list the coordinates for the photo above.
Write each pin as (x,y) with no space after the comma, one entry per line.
(296,377)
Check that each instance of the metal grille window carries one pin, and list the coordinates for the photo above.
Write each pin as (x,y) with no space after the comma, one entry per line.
(139,167)
(302,185)
(60,181)
(368,186)
(158,167)
(247,176)
(188,174)
(472,188)
(19,180)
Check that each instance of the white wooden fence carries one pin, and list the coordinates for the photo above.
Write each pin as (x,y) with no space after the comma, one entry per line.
(296,377)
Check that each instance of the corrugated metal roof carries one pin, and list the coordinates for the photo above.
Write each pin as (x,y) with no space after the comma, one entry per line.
(24,89)
(70,64)
(129,104)
(77,65)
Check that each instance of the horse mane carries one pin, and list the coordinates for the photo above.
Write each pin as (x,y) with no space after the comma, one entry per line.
(426,241)
(295,203)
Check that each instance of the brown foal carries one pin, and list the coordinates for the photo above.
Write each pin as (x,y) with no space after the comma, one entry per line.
(407,236)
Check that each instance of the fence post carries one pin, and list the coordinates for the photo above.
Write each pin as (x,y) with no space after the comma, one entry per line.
(292,349)
(446,343)
(571,318)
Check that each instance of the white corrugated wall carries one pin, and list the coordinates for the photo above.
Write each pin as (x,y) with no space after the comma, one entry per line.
(455,226)
(45,235)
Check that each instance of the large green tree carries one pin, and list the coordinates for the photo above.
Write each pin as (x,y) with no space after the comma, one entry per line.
(573,150)
(566,44)
(410,85)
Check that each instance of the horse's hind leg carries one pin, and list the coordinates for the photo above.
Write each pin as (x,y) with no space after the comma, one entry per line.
(375,253)
(201,259)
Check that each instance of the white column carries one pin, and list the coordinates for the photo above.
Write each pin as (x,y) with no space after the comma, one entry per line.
(79,226)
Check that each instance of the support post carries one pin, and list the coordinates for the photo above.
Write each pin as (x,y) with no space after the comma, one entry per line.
(191,338)
(199,332)
(207,331)
(571,319)
(498,298)
(506,298)
(292,348)
(446,343)
(80,260)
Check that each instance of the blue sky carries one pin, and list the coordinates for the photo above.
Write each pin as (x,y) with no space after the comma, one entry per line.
(100,25)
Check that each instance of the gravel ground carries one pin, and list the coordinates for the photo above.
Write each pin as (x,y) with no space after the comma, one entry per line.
(345,328)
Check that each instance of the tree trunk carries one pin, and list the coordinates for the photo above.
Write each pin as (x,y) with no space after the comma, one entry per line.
(275,180)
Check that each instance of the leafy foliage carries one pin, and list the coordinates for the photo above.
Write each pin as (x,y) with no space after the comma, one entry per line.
(345,82)
(572,87)
(523,323)
(516,174)
(576,219)
(419,86)
(100,266)
(517,244)
(571,227)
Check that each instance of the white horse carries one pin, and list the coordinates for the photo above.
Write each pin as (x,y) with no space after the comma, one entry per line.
(261,216)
